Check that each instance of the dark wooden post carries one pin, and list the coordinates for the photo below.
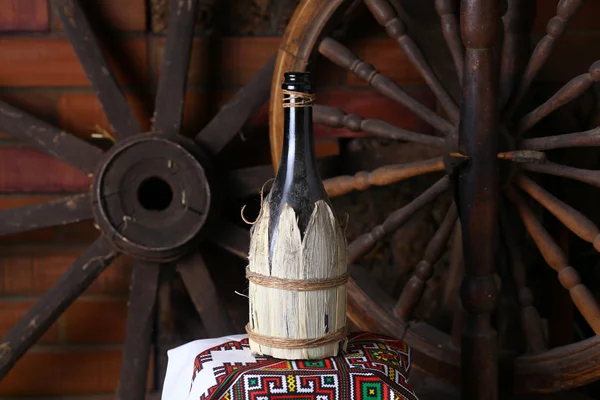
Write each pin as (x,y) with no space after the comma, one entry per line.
(477,196)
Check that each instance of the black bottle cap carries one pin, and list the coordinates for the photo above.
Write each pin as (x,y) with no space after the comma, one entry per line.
(297,81)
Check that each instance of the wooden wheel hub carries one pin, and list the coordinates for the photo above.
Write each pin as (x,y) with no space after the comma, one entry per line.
(152,197)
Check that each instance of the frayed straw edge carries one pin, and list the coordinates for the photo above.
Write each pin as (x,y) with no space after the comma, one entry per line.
(261,205)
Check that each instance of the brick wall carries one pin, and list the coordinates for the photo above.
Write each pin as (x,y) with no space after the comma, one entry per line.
(80,354)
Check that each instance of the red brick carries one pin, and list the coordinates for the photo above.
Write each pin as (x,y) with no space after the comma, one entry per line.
(326,148)
(46,235)
(586,19)
(52,62)
(236,62)
(80,113)
(572,56)
(241,58)
(64,371)
(127,15)
(369,104)
(114,280)
(387,57)
(39,235)
(17,273)
(96,321)
(24,15)
(79,232)
(12,311)
(122,15)
(41,104)
(195,112)
(24,169)
(33,270)
(259,120)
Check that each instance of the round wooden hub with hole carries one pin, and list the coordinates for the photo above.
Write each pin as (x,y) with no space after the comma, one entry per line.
(152,196)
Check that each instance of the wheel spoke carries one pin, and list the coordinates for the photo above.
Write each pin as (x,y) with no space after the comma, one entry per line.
(49,139)
(168,110)
(415,287)
(389,174)
(203,292)
(140,324)
(530,318)
(583,175)
(578,223)
(63,211)
(573,89)
(523,156)
(115,106)
(365,242)
(336,118)
(589,138)
(384,13)
(231,118)
(342,56)
(518,22)
(565,10)
(451,31)
(45,312)
(232,238)
(569,278)
(246,182)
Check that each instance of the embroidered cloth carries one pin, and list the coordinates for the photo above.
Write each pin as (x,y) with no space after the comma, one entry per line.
(374,367)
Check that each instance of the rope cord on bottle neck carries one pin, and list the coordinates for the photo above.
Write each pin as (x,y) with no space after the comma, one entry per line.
(297,99)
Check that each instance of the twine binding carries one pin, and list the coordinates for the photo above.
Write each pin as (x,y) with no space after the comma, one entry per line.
(299,285)
(297,344)
(262,189)
(300,99)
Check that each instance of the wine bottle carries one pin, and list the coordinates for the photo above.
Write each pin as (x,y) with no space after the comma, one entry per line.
(297,257)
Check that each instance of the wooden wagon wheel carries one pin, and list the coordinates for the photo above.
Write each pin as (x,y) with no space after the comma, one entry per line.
(155,196)
(485,156)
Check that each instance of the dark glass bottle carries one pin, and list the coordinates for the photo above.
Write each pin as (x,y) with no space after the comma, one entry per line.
(297,182)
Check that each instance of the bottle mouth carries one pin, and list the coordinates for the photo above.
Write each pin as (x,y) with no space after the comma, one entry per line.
(297,82)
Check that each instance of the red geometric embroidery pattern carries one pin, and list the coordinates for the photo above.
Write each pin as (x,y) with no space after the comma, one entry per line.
(374,367)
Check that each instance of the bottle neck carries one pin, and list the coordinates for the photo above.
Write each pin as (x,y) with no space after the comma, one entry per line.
(297,183)
(298,143)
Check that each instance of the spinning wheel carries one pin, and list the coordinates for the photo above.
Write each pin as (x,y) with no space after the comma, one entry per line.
(154,196)
(489,163)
